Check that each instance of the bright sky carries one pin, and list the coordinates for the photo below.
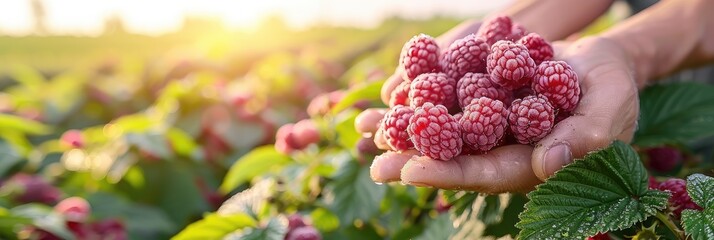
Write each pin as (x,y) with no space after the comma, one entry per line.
(160,16)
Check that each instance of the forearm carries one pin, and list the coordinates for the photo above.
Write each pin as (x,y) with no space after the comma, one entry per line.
(666,37)
(552,19)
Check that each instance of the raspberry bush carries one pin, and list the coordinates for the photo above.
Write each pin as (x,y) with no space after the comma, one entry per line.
(265,147)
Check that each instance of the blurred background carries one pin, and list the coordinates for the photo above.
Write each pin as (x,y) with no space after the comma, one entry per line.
(133,119)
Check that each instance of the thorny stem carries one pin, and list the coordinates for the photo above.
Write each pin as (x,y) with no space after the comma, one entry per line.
(667,221)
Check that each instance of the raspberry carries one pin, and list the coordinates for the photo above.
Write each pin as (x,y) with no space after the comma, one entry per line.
(295,221)
(652,183)
(510,65)
(304,233)
(495,29)
(305,132)
(435,133)
(436,88)
(458,116)
(476,85)
(680,199)
(465,55)
(600,236)
(285,139)
(538,48)
(557,81)
(72,138)
(484,123)
(74,209)
(400,95)
(25,188)
(531,118)
(394,125)
(517,32)
(664,159)
(420,55)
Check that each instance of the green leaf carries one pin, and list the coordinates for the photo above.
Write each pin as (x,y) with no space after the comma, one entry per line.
(274,230)
(9,157)
(139,218)
(19,124)
(490,211)
(255,163)
(215,226)
(370,91)
(44,218)
(182,142)
(700,224)
(152,143)
(440,228)
(701,189)
(324,220)
(604,192)
(345,127)
(353,195)
(509,218)
(673,113)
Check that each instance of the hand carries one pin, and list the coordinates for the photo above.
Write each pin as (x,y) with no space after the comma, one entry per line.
(608,110)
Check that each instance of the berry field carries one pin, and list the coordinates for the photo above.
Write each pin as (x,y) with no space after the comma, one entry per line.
(236,135)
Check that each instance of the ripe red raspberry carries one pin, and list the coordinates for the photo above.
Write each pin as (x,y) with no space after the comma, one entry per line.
(285,139)
(664,159)
(295,221)
(435,133)
(420,55)
(517,32)
(25,188)
(436,88)
(394,127)
(652,183)
(304,233)
(484,123)
(510,65)
(400,95)
(600,236)
(495,29)
(458,116)
(557,81)
(538,48)
(74,209)
(476,85)
(465,55)
(531,118)
(680,199)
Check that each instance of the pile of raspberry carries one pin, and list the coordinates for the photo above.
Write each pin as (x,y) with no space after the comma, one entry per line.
(496,84)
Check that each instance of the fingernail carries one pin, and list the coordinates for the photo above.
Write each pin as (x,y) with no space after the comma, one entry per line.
(556,157)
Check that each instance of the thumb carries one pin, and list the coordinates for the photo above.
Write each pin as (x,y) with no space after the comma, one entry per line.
(607,111)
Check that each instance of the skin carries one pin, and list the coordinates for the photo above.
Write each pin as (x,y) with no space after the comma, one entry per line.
(611,66)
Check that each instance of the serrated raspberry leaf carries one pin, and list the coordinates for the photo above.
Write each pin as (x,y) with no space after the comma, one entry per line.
(368,91)
(605,191)
(700,224)
(686,110)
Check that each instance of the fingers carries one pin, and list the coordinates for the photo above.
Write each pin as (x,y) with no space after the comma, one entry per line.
(505,169)
(368,120)
(391,83)
(388,166)
(607,111)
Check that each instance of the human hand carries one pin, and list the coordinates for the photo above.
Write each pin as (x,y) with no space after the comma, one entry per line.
(608,110)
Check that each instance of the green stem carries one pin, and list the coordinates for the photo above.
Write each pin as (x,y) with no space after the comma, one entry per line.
(670,224)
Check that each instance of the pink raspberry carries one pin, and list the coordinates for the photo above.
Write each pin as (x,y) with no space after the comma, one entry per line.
(557,81)
(394,127)
(465,55)
(531,118)
(72,138)
(303,233)
(285,139)
(510,65)
(495,29)
(420,55)
(476,85)
(400,95)
(517,32)
(74,209)
(538,48)
(25,188)
(600,236)
(436,88)
(484,123)
(295,221)
(664,159)
(680,199)
(458,116)
(652,183)
(435,133)
(305,132)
